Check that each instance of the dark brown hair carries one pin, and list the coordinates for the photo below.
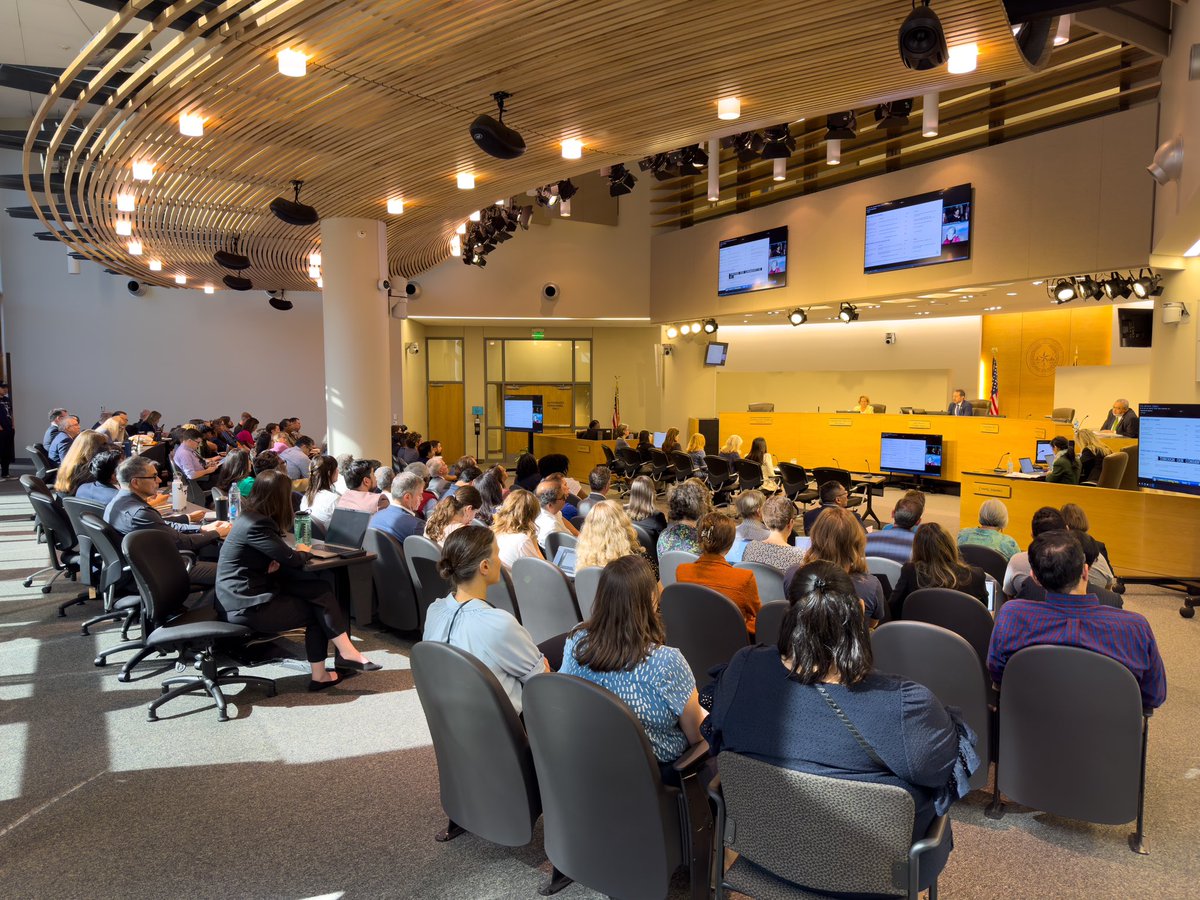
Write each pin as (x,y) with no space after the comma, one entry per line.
(625,624)
(825,627)
(271,496)
(838,538)
(462,553)
(935,558)
(715,533)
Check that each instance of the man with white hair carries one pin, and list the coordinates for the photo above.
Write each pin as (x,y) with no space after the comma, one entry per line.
(1121,420)
(400,519)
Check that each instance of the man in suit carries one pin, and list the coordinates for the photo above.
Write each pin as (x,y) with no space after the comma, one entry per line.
(1121,419)
(129,511)
(400,519)
(58,418)
(599,480)
(959,405)
(831,493)
(61,443)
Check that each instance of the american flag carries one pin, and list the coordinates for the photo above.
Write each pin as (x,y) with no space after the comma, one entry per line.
(994,400)
(616,420)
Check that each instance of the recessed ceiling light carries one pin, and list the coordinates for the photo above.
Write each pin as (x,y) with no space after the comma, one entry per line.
(991,308)
(143,170)
(461,229)
(455,245)
(572,148)
(395,206)
(191,124)
(1193,250)
(124,227)
(1036,283)
(964,299)
(125,202)
(135,247)
(314,272)
(181,278)
(466,181)
(209,289)
(475,216)
(292,63)
(774,312)
(155,265)
(320,282)
(314,258)
(672,332)
(729,108)
(1010,293)
(962,59)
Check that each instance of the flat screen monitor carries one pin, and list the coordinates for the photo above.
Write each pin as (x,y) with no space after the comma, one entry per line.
(715,353)
(911,454)
(523,413)
(1045,452)
(922,230)
(1136,327)
(753,262)
(659,437)
(1169,447)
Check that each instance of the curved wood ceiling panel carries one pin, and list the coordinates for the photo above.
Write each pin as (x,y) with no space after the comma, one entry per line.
(391,88)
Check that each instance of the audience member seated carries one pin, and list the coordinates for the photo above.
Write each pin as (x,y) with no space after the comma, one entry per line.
(360,478)
(234,469)
(749,505)
(267,461)
(644,445)
(101,486)
(716,533)
(267,437)
(298,457)
(641,509)
(779,516)
(245,441)
(1091,454)
(993,519)
(731,452)
(465,475)
(58,418)
(1065,469)
(916,497)
(451,513)
(936,564)
(621,647)
(114,427)
(1031,590)
(599,480)
(758,454)
(491,493)
(383,478)
(1072,615)
(551,497)
(695,452)
(515,527)
(186,457)
(407,451)
(1101,574)
(427,498)
(75,468)
(527,475)
(782,704)
(464,619)
(670,442)
(400,518)
(895,543)
(261,583)
(836,538)
(225,436)
(427,450)
(832,496)
(591,433)
(128,511)
(607,534)
(687,502)
(621,433)
(560,464)
(439,482)
(1047,518)
(61,442)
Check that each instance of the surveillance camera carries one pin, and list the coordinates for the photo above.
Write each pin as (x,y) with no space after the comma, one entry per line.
(550,291)
(668,349)
(383,284)
(889,337)
(413,347)
(412,290)
(135,287)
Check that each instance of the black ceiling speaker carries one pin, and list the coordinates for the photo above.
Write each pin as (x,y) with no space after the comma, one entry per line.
(494,137)
(237,283)
(279,301)
(293,211)
(922,41)
(231,259)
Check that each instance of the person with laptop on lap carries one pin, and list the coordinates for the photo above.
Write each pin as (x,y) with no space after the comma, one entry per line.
(959,406)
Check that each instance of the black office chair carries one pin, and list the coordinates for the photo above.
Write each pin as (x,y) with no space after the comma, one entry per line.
(620,472)
(485,768)
(395,595)
(61,542)
(89,558)
(162,581)
(112,581)
(661,469)
(591,753)
(684,468)
(648,544)
(822,474)
(43,467)
(795,484)
(721,479)
(1073,738)
(347,527)
(545,597)
(769,622)
(632,464)
(704,625)
(992,562)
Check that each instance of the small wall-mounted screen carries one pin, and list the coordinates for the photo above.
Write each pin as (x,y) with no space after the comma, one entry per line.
(753,262)
(922,230)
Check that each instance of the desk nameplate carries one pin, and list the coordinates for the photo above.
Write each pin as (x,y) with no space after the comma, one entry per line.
(989,489)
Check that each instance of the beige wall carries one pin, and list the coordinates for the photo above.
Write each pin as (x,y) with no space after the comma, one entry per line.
(1175,361)
(1091,390)
(831,391)
(409,397)
(1177,204)
(1043,206)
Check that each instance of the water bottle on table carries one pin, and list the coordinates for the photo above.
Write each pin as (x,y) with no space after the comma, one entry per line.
(178,495)
(303,529)
(235,502)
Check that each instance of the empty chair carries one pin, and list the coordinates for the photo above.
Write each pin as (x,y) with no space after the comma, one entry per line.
(684,469)
(959,612)
(61,542)
(632,465)
(428,584)
(347,527)
(89,559)
(503,596)
(991,561)
(721,478)
(750,474)
(660,466)
(857,836)
(885,569)
(395,594)
(556,539)
(545,598)
(485,769)
(880,407)
(770,622)
(43,467)
(794,479)
(162,580)
(1073,737)
(121,597)
(1112,470)
(704,625)
(586,582)
(823,474)
(946,664)
(1063,413)
(670,561)
(610,822)
(768,578)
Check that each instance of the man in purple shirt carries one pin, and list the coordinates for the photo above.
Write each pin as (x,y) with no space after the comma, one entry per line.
(187,456)
(1073,617)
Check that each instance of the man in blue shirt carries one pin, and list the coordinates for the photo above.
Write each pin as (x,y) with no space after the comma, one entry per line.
(400,518)
(297,458)
(61,442)
(896,543)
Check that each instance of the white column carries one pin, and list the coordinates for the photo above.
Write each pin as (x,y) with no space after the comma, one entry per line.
(358,365)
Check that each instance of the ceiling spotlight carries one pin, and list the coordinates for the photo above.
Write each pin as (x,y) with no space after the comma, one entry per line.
(231,259)
(395,206)
(475,216)
(314,258)
(314,272)
(685,329)
(729,108)
(320,282)
(1167,164)
(1088,287)
(566,190)
(292,63)
(123,227)
(672,332)
(841,126)
(893,115)
(778,170)
(747,145)
(1064,291)
(155,265)
(495,138)
(209,289)
(695,328)
(922,41)
(135,247)
(963,59)
(798,316)
(125,202)
(620,181)
(191,125)
(572,148)
(525,215)
(181,278)
(1147,285)
(778,143)
(833,152)
(1115,286)
(710,326)
(695,156)
(1062,34)
(143,170)
(455,245)
(465,181)
(929,114)
(848,312)
(280,301)
(293,212)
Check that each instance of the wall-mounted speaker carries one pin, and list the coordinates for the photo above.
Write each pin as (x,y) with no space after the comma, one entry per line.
(550,291)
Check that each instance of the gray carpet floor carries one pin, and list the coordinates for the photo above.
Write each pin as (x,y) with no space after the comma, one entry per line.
(335,794)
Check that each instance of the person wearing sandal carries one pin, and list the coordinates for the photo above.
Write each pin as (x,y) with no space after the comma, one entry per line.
(260,583)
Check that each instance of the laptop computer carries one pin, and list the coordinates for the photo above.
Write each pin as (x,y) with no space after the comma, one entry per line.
(564,558)
(324,550)
(1027,470)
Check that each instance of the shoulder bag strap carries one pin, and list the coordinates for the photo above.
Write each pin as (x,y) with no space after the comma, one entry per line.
(862,741)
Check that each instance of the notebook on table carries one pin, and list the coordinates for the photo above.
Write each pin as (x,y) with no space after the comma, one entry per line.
(1027,470)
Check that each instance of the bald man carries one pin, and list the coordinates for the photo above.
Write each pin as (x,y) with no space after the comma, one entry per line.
(1122,420)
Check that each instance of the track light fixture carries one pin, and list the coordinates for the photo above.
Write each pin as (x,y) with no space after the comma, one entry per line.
(676,164)
(747,145)
(293,211)
(848,312)
(1063,291)
(231,259)
(798,316)
(672,332)
(1087,287)
(495,138)
(922,41)
(566,190)
(1147,284)
(710,326)
(1115,286)
(685,329)
(893,115)
(842,126)
(778,142)
(620,181)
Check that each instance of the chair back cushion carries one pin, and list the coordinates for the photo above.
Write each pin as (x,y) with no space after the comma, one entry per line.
(587,580)
(160,573)
(769,622)
(704,624)
(53,519)
(544,595)
(991,561)
(956,611)
(1112,470)
(750,474)
(395,594)
(556,539)
(429,584)
(768,579)
(502,595)
(670,561)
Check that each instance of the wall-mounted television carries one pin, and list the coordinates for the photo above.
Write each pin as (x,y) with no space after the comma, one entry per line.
(523,413)
(911,454)
(1169,447)
(753,262)
(922,230)
(1136,327)
(716,353)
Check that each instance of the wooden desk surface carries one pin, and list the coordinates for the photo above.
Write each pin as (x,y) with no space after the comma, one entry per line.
(1147,533)
(584,454)
(851,441)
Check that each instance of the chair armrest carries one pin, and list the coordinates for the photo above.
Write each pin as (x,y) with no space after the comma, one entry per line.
(939,831)
(692,758)
(189,558)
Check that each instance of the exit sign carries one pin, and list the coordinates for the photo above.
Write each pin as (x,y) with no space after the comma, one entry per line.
(538,334)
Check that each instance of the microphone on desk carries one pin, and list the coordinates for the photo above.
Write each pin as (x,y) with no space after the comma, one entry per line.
(997,467)
(836,463)
(868,462)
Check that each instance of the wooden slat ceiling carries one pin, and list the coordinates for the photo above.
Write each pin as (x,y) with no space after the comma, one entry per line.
(1090,76)
(392,87)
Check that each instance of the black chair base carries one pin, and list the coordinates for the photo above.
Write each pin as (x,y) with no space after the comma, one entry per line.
(450,832)
(210,680)
(78,600)
(120,615)
(554,882)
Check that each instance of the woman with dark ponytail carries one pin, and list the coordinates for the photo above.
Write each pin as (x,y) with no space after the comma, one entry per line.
(812,703)
(1066,467)
(464,619)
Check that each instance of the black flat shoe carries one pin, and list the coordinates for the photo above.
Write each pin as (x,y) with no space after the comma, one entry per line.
(339,663)
(314,686)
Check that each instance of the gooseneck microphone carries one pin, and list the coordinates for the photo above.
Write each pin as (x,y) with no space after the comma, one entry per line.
(997,467)
(836,463)
(868,462)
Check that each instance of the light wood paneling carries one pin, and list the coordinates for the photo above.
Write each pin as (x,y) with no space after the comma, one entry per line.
(584,455)
(446,420)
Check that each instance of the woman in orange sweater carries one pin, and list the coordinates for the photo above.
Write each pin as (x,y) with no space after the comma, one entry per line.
(716,533)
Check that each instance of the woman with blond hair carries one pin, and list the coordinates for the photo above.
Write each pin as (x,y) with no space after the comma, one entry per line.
(695,451)
(515,527)
(607,534)
(838,538)
(76,465)
(641,509)
(864,406)
(731,451)
(1091,454)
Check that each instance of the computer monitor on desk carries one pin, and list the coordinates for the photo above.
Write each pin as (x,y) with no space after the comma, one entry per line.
(659,437)
(1045,452)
